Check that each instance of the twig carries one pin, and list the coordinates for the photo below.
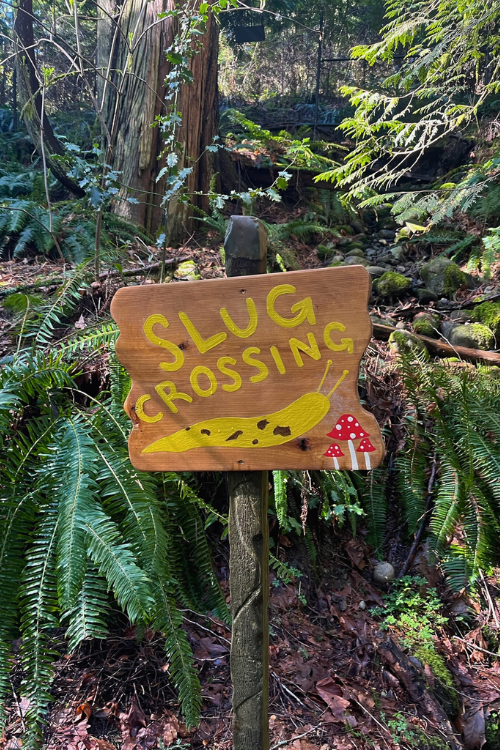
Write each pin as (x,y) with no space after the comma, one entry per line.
(287,690)
(476,648)
(490,600)
(292,739)
(420,532)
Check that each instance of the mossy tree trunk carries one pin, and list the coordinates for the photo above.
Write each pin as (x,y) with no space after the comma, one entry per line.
(136,96)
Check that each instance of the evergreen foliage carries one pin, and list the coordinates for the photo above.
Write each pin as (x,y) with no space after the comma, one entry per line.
(79,527)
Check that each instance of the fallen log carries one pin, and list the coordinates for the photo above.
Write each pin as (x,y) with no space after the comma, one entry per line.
(441,348)
(58,280)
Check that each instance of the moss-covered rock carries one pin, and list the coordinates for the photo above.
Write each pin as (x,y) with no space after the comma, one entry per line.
(187,271)
(404,342)
(425,296)
(391,284)
(356,251)
(474,336)
(426,324)
(443,276)
(488,313)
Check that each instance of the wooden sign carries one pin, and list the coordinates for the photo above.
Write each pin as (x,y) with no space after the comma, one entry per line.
(248,373)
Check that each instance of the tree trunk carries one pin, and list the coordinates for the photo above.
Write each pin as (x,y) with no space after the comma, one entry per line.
(30,97)
(136,97)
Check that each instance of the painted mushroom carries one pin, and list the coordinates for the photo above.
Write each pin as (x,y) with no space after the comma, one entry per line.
(348,428)
(335,452)
(366,447)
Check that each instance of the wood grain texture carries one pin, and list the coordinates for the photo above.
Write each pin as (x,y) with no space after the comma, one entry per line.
(265,400)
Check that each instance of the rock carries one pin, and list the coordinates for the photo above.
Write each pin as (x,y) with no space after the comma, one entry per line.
(416,662)
(488,313)
(426,324)
(375,271)
(187,271)
(473,336)
(391,284)
(385,258)
(346,228)
(357,225)
(362,605)
(398,252)
(356,260)
(383,243)
(401,269)
(336,259)
(384,573)
(356,251)
(386,234)
(323,252)
(380,321)
(404,342)
(344,242)
(461,316)
(442,276)
(401,325)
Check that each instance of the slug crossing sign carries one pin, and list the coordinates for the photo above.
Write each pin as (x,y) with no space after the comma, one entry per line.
(248,373)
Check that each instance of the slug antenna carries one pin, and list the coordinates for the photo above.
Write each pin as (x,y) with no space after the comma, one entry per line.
(328,365)
(339,381)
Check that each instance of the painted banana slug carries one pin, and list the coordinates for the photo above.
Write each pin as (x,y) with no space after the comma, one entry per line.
(252,432)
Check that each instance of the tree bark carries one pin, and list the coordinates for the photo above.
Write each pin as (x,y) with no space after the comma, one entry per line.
(30,97)
(136,96)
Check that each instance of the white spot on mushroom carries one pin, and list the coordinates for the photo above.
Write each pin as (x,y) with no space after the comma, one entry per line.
(349,419)
(339,427)
(352,435)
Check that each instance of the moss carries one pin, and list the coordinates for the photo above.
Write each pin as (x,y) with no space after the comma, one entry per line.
(426,324)
(444,688)
(404,342)
(488,313)
(454,278)
(492,731)
(391,284)
(324,252)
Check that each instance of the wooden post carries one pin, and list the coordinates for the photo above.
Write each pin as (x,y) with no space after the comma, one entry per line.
(245,248)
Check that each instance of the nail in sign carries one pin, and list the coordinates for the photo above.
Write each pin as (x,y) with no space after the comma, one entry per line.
(248,373)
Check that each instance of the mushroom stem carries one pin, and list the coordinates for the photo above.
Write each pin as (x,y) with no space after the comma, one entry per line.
(367,462)
(336,463)
(354,458)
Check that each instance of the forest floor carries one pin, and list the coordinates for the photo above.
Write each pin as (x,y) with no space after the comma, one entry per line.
(338,680)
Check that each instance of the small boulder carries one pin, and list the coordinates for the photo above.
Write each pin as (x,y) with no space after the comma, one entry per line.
(404,342)
(473,336)
(460,316)
(337,259)
(386,234)
(443,276)
(425,296)
(384,573)
(398,252)
(426,324)
(357,225)
(375,271)
(391,284)
(356,260)
(356,251)
(488,313)
(187,271)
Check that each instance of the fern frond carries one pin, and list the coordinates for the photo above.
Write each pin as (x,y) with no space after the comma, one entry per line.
(87,619)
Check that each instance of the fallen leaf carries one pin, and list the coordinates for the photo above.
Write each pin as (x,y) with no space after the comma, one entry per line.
(474,729)
(84,708)
(332,695)
(80,323)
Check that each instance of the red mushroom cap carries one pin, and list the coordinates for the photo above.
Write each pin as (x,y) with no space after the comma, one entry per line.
(365,447)
(348,428)
(334,450)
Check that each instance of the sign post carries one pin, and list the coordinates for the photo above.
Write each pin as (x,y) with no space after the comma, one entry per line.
(246,374)
(245,250)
